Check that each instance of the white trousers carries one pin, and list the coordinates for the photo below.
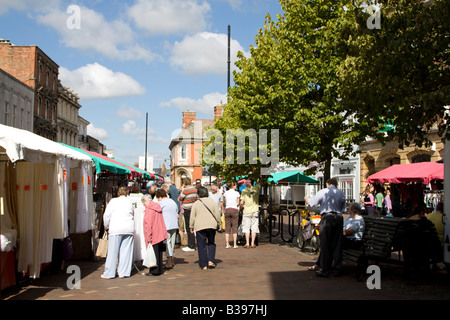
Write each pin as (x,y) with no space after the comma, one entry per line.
(120,246)
(170,248)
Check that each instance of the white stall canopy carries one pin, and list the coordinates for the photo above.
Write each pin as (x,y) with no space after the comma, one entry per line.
(44,185)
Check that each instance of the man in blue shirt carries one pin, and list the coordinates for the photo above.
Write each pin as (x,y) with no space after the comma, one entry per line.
(332,205)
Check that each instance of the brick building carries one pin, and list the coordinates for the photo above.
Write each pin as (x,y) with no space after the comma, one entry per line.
(34,68)
(186,158)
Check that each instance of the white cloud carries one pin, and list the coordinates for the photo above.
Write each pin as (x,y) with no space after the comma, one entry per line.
(205,53)
(94,81)
(28,5)
(113,39)
(97,133)
(166,17)
(130,127)
(204,105)
(235,4)
(128,112)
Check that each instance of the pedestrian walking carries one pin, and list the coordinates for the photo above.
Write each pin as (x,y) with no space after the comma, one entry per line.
(118,219)
(173,192)
(155,232)
(332,205)
(187,198)
(170,215)
(231,199)
(151,188)
(369,201)
(217,196)
(388,203)
(250,214)
(203,221)
(380,201)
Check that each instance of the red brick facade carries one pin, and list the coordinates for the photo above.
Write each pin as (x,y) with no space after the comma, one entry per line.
(186,153)
(33,67)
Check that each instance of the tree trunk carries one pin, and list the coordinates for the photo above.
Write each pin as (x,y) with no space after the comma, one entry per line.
(327,169)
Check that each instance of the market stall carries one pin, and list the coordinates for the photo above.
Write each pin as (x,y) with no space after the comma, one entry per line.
(38,195)
(289,188)
(111,174)
(412,184)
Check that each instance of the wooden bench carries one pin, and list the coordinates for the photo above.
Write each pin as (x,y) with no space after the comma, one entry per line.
(379,241)
(415,240)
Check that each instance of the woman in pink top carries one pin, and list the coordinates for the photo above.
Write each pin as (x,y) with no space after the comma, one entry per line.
(154,232)
(369,201)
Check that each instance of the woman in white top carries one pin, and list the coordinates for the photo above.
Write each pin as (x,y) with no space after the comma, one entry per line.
(231,199)
(118,219)
(170,215)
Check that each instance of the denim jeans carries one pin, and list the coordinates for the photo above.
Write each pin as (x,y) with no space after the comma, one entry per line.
(206,246)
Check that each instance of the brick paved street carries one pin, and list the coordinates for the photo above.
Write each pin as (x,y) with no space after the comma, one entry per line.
(274,271)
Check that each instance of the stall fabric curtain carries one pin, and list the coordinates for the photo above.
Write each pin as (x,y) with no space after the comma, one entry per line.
(80,200)
(44,216)
(37,216)
(82,205)
(25,182)
(62,174)
(11,194)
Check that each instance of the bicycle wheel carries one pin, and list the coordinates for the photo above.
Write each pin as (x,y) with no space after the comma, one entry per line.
(299,240)
(315,243)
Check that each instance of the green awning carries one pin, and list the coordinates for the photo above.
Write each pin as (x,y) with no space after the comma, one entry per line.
(292,177)
(102,164)
(145,174)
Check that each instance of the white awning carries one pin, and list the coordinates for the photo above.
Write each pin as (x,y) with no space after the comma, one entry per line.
(24,145)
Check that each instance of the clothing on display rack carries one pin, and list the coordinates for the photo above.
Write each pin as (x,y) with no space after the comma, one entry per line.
(432,198)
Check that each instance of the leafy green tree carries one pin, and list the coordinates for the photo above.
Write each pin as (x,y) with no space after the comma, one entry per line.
(400,72)
(291,83)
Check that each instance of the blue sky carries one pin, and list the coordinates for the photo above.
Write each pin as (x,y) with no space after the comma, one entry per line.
(126,58)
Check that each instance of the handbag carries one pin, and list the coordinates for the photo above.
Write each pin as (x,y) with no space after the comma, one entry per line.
(102,248)
(218,222)
(150,257)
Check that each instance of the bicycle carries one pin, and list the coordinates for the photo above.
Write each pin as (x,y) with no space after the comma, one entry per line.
(308,230)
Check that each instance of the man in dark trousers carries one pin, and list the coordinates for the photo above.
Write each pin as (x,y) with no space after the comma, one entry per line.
(332,205)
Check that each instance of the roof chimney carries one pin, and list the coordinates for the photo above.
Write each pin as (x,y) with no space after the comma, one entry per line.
(217,112)
(188,116)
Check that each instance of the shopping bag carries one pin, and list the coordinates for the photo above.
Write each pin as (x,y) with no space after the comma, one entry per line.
(150,257)
(223,221)
(102,248)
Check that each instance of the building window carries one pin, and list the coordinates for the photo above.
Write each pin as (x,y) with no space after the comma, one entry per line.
(55,82)
(40,72)
(39,106)
(345,170)
(29,119)
(6,113)
(183,152)
(46,110)
(392,161)
(14,117)
(347,188)
(22,119)
(421,158)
